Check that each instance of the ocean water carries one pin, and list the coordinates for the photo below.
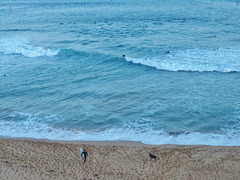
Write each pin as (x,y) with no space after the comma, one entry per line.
(63,76)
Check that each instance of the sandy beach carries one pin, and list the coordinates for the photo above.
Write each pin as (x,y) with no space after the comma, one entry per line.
(44,159)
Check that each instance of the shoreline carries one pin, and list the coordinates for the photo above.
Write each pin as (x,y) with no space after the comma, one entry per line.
(25,158)
(110,142)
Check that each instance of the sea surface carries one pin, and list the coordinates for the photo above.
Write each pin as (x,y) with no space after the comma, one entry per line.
(63,76)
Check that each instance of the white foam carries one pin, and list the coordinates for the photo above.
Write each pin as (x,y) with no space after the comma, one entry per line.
(202,60)
(22,46)
(32,126)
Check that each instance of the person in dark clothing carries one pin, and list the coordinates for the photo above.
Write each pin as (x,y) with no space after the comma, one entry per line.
(84,155)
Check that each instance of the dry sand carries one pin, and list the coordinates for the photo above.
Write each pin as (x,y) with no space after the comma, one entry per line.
(43,159)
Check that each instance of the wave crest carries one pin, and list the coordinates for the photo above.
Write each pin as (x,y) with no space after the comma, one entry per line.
(200,60)
(23,47)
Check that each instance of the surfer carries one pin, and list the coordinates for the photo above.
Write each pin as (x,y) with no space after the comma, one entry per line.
(84,155)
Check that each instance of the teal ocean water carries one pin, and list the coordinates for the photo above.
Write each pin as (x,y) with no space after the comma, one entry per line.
(63,76)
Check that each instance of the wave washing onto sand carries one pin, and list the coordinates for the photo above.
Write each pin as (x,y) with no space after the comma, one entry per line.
(224,59)
(23,46)
(27,125)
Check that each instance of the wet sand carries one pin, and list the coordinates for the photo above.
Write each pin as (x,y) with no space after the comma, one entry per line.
(44,159)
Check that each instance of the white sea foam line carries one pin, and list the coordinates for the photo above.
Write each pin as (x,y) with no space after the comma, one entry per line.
(222,60)
(22,46)
(34,126)
(43,131)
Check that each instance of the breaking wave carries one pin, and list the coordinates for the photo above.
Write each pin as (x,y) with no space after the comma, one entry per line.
(200,60)
(22,46)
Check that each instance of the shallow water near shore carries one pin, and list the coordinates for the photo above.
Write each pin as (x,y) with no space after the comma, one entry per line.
(63,76)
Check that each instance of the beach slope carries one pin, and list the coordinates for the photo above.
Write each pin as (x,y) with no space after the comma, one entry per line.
(44,159)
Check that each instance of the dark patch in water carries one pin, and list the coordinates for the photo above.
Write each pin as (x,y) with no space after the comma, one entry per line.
(9,30)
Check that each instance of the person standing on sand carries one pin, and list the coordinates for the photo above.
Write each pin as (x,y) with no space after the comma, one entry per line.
(84,155)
